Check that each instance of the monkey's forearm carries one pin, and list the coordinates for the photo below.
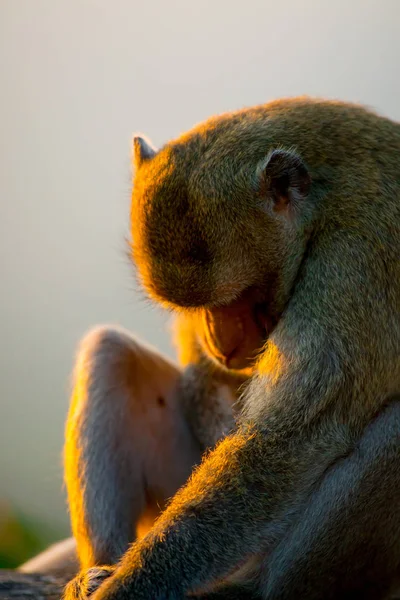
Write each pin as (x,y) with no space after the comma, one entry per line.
(182,551)
(243,481)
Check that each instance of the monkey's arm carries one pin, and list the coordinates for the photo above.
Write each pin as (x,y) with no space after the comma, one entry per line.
(223,512)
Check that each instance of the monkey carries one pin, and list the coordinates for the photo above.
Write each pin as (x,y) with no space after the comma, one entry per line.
(272,233)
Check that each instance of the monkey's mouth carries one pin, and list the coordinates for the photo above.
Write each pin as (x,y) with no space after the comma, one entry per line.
(235,334)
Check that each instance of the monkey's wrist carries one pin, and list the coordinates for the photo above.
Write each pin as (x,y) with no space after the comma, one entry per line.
(136,585)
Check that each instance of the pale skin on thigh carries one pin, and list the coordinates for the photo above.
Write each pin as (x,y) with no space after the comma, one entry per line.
(128,445)
(126,388)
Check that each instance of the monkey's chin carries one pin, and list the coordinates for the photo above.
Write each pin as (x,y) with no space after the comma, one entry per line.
(234,335)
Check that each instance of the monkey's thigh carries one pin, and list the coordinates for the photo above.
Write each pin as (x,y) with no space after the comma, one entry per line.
(135,447)
(346,544)
(128,446)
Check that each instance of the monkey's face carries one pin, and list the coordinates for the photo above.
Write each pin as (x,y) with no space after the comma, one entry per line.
(212,235)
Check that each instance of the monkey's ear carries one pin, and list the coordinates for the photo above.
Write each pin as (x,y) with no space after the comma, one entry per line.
(286,178)
(143,150)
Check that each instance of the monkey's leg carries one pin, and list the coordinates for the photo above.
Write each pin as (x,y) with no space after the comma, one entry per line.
(128,447)
(346,543)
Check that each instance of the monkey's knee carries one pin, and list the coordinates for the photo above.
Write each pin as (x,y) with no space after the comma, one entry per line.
(111,360)
(131,391)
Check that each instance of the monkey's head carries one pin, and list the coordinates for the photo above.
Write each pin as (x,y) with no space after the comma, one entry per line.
(218,220)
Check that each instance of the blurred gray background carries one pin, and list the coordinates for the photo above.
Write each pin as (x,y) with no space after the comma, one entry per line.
(77,78)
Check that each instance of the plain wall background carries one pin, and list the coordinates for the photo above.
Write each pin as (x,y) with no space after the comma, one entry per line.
(77,78)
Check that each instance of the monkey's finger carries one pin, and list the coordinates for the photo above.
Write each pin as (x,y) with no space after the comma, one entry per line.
(87,582)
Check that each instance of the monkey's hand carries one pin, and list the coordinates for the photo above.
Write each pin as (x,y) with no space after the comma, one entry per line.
(86,582)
